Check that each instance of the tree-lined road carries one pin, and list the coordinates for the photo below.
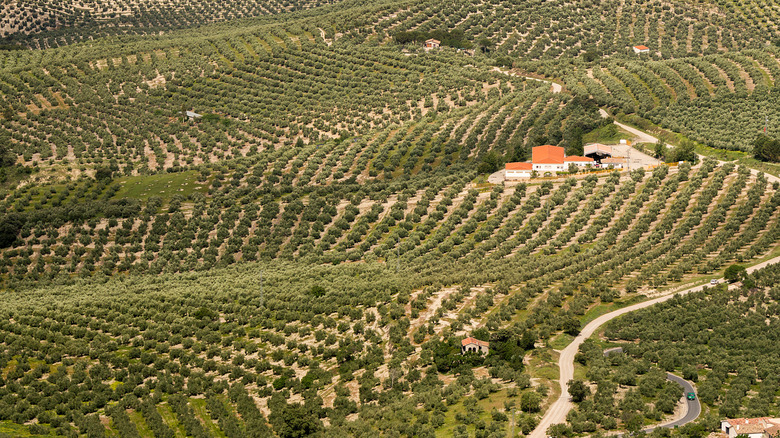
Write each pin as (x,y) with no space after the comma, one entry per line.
(561,407)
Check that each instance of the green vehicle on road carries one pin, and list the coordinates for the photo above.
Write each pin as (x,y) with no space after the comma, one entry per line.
(691,396)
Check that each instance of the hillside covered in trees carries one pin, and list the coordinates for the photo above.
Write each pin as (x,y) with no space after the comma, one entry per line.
(304,254)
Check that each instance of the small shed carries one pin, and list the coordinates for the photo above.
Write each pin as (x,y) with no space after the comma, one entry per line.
(614,162)
(432,44)
(192,115)
(473,345)
(641,49)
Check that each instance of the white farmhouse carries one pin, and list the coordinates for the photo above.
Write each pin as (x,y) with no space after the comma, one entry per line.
(548,158)
(473,345)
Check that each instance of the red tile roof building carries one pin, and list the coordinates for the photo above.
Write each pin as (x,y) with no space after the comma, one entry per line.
(579,161)
(473,345)
(518,170)
(761,427)
(547,154)
(546,159)
(432,44)
(519,166)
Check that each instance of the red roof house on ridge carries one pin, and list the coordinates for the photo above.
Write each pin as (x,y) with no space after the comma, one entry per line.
(547,160)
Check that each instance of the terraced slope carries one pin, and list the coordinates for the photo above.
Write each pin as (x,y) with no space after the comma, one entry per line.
(54,23)
(539,256)
(656,229)
(545,30)
(260,93)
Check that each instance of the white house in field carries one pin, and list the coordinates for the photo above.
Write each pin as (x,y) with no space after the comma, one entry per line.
(761,427)
(192,115)
(546,159)
(473,345)
(641,49)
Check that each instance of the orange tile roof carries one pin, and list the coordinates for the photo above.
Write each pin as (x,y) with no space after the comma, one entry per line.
(547,154)
(475,341)
(641,47)
(749,428)
(755,425)
(578,158)
(519,166)
(757,420)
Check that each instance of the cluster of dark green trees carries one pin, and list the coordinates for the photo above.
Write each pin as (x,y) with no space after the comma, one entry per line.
(452,38)
(706,337)
(600,406)
(766,148)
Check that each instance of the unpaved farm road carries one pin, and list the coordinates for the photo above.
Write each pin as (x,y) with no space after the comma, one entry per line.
(644,137)
(554,86)
(561,407)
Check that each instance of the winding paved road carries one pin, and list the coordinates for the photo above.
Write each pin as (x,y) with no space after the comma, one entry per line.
(693,406)
(561,407)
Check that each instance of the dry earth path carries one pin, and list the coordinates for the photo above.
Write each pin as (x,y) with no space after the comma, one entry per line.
(554,86)
(644,137)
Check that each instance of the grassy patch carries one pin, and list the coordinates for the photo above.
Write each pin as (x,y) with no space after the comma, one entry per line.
(770,168)
(481,179)
(494,400)
(164,185)
(543,364)
(199,406)
(647,148)
(741,157)
(140,424)
(580,371)
(604,308)
(170,419)
(561,341)
(607,135)
(9,428)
